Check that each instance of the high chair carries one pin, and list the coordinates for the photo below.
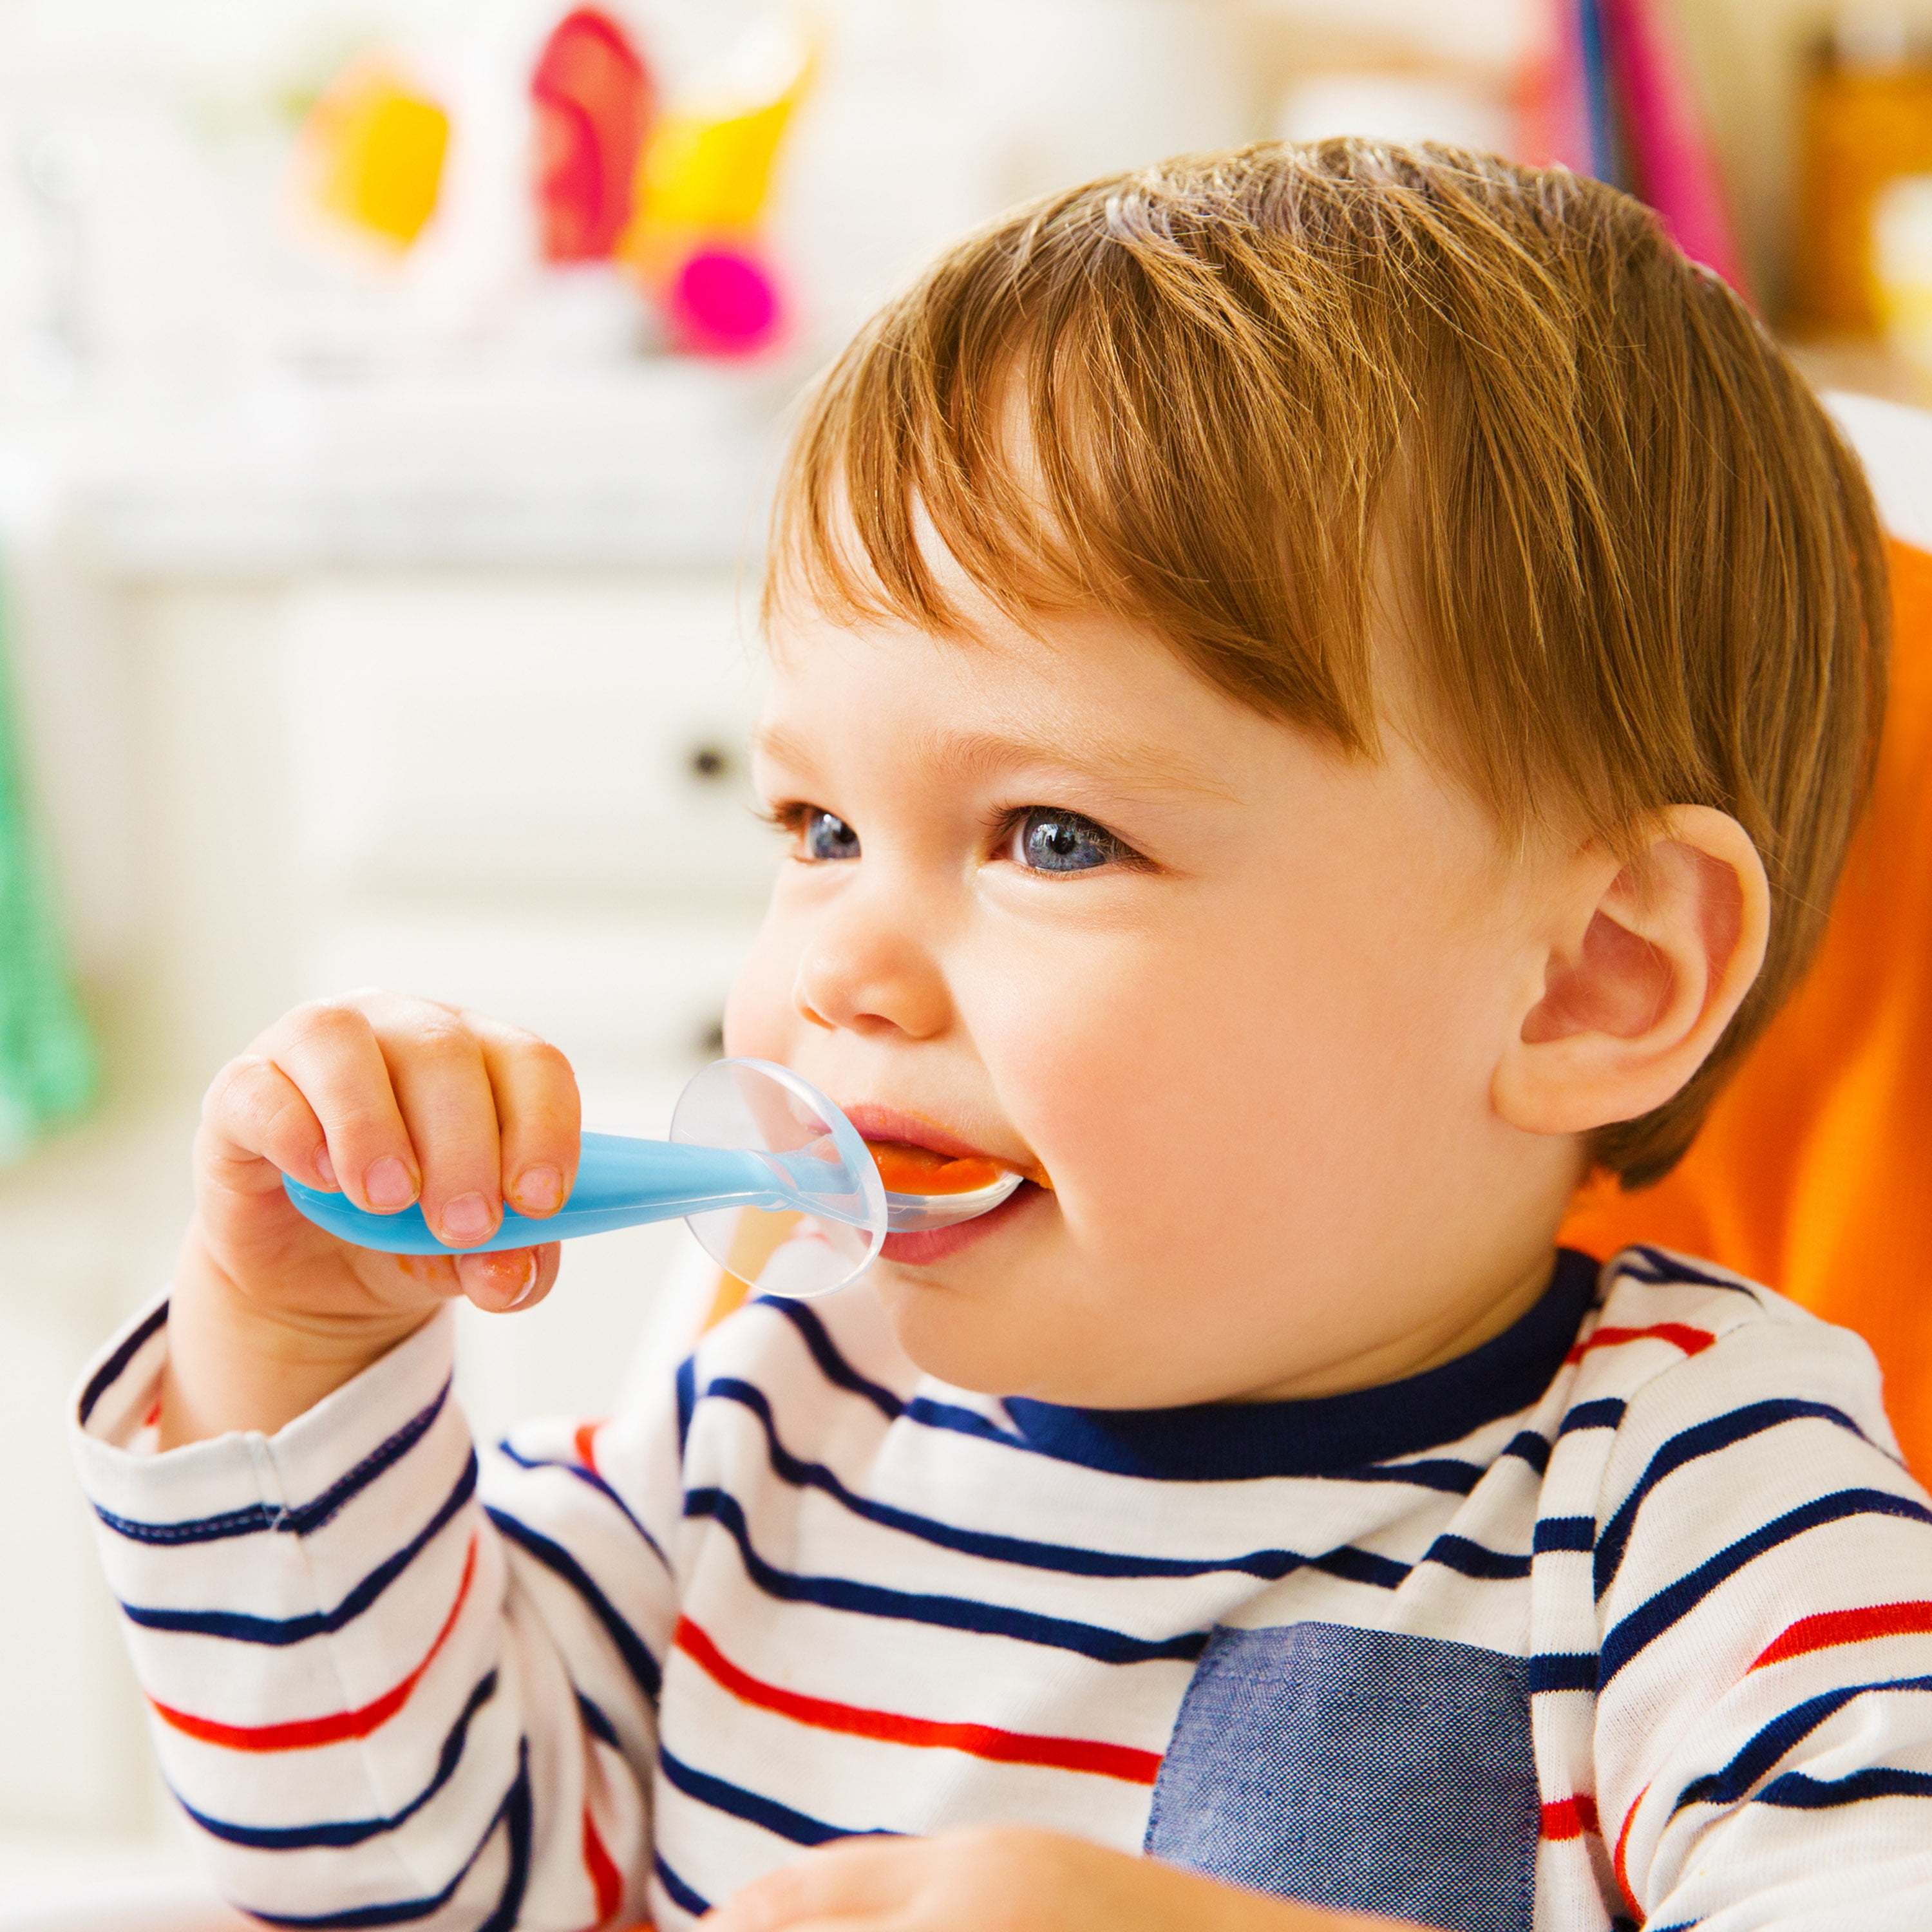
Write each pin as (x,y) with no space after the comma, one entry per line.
(1813,1173)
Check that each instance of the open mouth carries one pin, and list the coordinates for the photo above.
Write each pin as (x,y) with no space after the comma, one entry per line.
(921,1246)
(931,1177)
(920,1151)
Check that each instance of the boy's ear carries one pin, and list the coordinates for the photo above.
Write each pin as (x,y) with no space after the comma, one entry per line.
(1641,970)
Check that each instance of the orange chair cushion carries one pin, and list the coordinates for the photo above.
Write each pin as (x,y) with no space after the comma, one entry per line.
(1813,1173)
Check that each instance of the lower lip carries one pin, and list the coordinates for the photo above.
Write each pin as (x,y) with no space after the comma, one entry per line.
(936,1244)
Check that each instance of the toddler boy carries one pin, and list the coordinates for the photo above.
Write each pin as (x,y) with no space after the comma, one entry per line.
(1317,696)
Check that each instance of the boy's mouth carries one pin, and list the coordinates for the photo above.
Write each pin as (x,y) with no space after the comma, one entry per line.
(892,1128)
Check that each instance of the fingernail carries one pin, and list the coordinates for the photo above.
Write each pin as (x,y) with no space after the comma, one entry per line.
(388,1183)
(539,1190)
(467,1218)
(325,1168)
(530,1287)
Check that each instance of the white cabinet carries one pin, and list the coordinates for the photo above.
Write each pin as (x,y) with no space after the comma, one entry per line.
(463,714)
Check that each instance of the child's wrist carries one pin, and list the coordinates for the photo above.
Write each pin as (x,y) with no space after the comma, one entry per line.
(235,1363)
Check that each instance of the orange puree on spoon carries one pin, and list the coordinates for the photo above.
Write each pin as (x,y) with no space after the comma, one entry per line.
(917,1170)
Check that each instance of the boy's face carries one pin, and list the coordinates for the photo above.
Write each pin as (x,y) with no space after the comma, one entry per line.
(1241,998)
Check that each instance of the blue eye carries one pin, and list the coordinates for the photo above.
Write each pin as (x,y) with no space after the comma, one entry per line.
(1047,841)
(828,836)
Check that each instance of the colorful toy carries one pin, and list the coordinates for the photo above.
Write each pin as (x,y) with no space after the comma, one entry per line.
(745,1136)
(722,301)
(374,146)
(702,183)
(593,99)
(677,198)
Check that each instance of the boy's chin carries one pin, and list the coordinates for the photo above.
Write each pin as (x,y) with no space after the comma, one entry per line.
(1002,1317)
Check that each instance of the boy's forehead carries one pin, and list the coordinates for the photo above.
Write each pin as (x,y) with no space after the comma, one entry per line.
(1079,691)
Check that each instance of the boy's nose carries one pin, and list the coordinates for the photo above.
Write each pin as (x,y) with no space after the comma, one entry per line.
(866,974)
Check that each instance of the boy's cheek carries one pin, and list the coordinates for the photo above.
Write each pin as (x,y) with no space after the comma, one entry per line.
(761,1020)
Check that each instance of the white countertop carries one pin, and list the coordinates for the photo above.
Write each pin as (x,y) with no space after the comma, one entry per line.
(652,462)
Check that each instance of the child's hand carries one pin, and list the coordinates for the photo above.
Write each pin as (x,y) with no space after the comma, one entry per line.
(390,1099)
(1005,1879)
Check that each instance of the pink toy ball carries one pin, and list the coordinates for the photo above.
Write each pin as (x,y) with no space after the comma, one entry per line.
(723,302)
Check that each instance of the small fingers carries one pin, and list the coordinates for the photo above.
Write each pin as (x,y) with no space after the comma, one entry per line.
(845,1886)
(328,1051)
(435,1063)
(539,1116)
(513,1278)
(255,1112)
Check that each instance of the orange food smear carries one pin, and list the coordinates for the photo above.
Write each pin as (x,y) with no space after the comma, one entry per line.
(917,1170)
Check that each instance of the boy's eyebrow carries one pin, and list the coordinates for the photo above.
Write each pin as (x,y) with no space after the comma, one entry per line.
(1138,766)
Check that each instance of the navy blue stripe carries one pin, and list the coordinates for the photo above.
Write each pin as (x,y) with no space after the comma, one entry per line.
(1649,1621)
(1689,1445)
(592,1480)
(513,1813)
(1362,1566)
(832,1365)
(278,1631)
(963,1613)
(1606,1413)
(1076,1436)
(1067,1559)
(1471,1559)
(1529,1447)
(110,1371)
(680,1894)
(1796,1792)
(687,1402)
(1564,1532)
(355,1830)
(595,1721)
(520,1816)
(277,1519)
(1443,1474)
(1783,1734)
(1665,1270)
(962,1421)
(1563,1670)
(631,1647)
(779,1819)
(1365,1429)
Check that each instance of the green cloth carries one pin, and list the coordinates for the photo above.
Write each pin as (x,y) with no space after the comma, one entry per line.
(48,1069)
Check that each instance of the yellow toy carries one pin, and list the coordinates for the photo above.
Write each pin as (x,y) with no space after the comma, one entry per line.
(374,145)
(703,181)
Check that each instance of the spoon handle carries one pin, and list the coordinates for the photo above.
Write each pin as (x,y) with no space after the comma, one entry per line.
(622,1182)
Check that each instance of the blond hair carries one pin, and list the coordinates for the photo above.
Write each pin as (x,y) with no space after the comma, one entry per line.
(1638,566)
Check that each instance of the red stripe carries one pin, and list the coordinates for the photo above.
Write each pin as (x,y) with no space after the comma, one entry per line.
(1571,1817)
(605,1879)
(306,1733)
(1692,1341)
(981,1740)
(1832,1627)
(585,1440)
(1623,1846)
(153,1418)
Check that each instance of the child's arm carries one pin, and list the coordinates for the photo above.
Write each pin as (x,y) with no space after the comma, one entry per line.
(393,1100)
(1763,1573)
(377,1703)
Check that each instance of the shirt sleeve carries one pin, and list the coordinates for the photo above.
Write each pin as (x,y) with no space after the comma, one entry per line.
(389,1682)
(1763,1572)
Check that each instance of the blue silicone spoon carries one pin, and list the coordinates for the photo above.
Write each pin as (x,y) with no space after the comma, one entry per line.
(746,1134)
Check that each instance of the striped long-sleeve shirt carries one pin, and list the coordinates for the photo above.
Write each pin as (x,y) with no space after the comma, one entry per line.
(1624,1619)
